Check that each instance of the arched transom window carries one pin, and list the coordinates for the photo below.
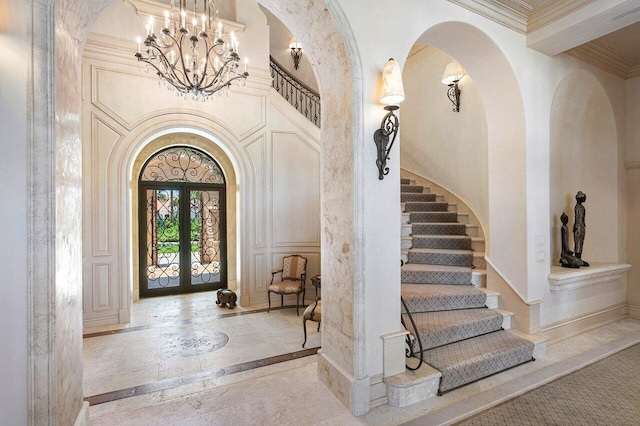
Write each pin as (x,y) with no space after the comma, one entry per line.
(182,164)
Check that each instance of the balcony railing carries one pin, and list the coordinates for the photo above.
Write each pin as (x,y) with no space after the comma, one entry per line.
(300,96)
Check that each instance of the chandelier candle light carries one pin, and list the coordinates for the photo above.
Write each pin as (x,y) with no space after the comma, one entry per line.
(196,59)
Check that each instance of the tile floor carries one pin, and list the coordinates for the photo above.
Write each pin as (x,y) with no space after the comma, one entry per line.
(175,336)
(287,393)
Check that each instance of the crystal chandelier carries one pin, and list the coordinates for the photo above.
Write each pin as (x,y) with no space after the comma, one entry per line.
(197,59)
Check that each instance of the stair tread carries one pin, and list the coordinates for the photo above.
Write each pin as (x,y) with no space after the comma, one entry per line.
(439,250)
(444,236)
(442,297)
(425,267)
(431,320)
(445,327)
(472,359)
(438,223)
(440,290)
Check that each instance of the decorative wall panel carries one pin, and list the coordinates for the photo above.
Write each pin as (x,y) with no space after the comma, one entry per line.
(103,139)
(295,191)
(257,153)
(101,287)
(109,85)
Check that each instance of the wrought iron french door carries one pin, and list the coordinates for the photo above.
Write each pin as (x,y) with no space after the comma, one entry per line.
(182,238)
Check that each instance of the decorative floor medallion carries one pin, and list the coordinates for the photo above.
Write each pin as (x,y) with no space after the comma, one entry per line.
(192,344)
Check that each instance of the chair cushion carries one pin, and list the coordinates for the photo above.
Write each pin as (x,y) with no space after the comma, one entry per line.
(286,287)
(293,267)
(317,313)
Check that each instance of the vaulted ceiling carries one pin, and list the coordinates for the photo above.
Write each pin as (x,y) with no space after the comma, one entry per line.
(604,33)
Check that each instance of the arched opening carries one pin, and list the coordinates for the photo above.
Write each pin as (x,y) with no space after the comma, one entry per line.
(55,109)
(583,127)
(506,200)
(446,147)
(182,223)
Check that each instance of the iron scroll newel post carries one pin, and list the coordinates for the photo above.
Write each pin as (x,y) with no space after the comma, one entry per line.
(388,127)
(410,352)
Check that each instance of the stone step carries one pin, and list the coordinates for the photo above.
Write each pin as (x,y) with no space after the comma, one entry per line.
(406,188)
(454,242)
(433,206)
(434,297)
(406,243)
(479,277)
(479,261)
(435,274)
(441,257)
(471,230)
(477,244)
(411,387)
(438,228)
(469,360)
(432,217)
(417,196)
(444,327)
(463,218)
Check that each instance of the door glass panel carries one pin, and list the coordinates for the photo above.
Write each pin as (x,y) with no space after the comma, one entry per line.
(163,238)
(205,237)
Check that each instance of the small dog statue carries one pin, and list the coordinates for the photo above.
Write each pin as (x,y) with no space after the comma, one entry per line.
(226,297)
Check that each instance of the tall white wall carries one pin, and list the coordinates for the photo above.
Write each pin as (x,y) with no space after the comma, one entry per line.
(449,148)
(14,261)
(274,149)
(632,161)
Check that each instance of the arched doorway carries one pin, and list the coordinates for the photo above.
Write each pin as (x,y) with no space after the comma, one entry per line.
(182,223)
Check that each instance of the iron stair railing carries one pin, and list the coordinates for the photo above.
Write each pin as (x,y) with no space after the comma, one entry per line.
(299,95)
(410,352)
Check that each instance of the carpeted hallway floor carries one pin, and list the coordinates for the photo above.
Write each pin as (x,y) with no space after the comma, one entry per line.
(604,393)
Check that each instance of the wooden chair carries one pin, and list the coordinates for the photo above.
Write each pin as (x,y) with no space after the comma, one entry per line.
(294,276)
(312,313)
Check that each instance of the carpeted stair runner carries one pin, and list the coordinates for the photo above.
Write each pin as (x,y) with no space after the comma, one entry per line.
(461,338)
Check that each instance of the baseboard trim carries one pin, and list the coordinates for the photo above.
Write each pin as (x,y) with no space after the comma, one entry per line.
(353,393)
(569,328)
(97,322)
(83,415)
(378,391)
(633,311)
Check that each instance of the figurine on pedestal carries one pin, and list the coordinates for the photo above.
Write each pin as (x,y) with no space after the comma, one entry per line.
(579,226)
(567,259)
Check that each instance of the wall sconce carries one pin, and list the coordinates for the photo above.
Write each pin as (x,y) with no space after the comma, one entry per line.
(296,53)
(392,94)
(452,74)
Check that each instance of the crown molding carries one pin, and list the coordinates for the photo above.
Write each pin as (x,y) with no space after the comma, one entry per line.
(634,72)
(532,19)
(497,12)
(552,11)
(601,56)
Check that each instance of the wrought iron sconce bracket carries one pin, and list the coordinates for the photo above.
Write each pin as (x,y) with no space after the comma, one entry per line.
(296,54)
(454,95)
(388,128)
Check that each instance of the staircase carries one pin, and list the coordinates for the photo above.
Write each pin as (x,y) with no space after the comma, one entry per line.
(464,336)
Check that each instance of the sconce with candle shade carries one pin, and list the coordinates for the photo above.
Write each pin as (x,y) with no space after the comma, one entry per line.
(452,74)
(392,94)
(296,53)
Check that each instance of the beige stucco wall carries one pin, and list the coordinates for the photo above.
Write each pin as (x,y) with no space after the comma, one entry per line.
(446,147)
